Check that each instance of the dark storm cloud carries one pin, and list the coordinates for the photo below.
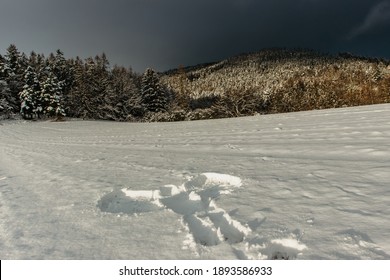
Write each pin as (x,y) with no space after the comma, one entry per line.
(167,33)
(378,16)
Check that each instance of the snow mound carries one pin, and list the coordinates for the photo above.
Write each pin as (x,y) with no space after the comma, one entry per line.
(184,203)
(213,179)
(142,195)
(170,190)
(284,249)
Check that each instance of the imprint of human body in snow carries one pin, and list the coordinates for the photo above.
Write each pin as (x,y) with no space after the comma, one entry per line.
(208,224)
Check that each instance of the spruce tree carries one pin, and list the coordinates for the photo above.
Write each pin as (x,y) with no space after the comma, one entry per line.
(6,110)
(75,98)
(122,100)
(5,95)
(2,65)
(51,96)
(101,88)
(12,72)
(30,96)
(62,70)
(37,62)
(154,97)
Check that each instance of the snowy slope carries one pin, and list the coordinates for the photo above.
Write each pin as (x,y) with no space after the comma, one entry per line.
(308,185)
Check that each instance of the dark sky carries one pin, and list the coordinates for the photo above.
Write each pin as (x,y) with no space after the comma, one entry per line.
(164,34)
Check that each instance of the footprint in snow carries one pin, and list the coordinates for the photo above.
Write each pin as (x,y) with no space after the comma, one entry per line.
(361,244)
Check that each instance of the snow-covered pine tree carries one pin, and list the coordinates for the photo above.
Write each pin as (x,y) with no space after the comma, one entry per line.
(2,64)
(154,97)
(5,108)
(100,86)
(125,98)
(75,97)
(37,62)
(62,70)
(12,72)
(51,96)
(30,96)
(90,84)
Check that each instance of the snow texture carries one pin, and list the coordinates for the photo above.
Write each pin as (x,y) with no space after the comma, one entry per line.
(307,185)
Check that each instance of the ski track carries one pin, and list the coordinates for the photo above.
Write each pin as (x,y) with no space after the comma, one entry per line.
(307,185)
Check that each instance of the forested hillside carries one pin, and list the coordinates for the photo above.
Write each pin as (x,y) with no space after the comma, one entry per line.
(270,81)
(279,80)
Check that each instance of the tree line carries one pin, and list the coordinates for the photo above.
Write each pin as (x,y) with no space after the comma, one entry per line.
(39,87)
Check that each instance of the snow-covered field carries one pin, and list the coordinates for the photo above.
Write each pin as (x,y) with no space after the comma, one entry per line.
(308,185)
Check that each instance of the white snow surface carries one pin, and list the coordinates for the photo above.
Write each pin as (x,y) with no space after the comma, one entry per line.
(307,185)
